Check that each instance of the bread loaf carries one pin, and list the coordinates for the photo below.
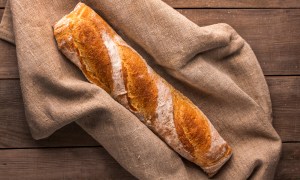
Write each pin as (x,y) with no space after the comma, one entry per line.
(107,61)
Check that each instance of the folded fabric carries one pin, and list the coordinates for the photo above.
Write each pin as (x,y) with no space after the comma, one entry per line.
(211,65)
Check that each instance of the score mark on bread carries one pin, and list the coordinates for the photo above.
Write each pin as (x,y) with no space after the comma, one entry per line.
(107,61)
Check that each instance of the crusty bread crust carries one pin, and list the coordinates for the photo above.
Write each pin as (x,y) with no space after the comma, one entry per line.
(107,61)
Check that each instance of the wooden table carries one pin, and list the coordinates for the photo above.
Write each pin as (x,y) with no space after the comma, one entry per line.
(271,27)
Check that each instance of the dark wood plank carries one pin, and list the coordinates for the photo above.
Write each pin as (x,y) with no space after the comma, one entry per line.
(289,164)
(8,58)
(1,12)
(14,132)
(273,34)
(2,3)
(60,163)
(285,95)
(80,163)
(96,163)
(234,3)
(8,61)
(224,3)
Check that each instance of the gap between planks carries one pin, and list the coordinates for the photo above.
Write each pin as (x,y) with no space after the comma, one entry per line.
(14,131)
(93,162)
(272,34)
(224,4)
(288,166)
(268,60)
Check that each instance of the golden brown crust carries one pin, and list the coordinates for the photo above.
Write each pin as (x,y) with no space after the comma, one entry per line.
(192,127)
(88,41)
(96,62)
(83,37)
(141,87)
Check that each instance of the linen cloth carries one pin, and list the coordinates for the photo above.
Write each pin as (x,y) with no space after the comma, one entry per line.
(211,65)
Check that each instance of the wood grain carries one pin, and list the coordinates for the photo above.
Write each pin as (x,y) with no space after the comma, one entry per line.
(60,163)
(225,3)
(233,3)
(285,95)
(8,58)
(273,35)
(289,164)
(2,3)
(8,61)
(96,163)
(14,131)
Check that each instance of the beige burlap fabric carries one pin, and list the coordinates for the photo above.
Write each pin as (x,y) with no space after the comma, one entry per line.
(211,65)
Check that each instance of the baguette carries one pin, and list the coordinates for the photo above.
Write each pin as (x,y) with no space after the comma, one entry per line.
(107,61)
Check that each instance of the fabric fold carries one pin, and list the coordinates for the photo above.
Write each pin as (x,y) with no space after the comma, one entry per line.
(211,65)
(6,29)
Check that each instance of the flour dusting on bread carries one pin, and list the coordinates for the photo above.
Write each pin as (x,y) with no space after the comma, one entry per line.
(164,124)
(110,63)
(116,63)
